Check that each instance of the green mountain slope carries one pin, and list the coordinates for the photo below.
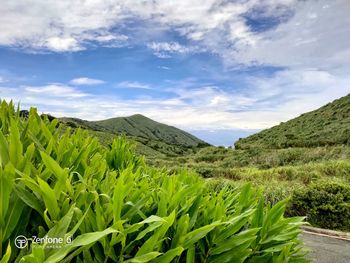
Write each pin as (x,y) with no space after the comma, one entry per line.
(328,125)
(141,126)
(152,139)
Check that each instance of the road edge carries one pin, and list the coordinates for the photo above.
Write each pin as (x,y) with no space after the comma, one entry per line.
(326,232)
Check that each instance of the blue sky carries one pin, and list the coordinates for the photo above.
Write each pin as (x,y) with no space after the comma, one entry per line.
(218,69)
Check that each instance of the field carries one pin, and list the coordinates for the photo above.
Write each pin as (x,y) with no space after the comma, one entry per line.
(104,204)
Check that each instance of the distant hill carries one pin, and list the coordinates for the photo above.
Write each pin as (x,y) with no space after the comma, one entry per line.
(328,125)
(141,127)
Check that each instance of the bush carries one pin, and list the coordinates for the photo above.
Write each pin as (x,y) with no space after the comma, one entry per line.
(108,206)
(325,204)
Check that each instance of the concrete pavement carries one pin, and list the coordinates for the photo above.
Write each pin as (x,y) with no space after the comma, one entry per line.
(327,249)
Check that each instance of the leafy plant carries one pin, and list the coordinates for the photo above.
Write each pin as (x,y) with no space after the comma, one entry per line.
(325,204)
(108,206)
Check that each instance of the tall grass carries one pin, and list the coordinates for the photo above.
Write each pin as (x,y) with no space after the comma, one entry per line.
(108,206)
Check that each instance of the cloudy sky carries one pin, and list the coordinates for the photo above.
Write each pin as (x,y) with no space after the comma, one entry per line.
(219,69)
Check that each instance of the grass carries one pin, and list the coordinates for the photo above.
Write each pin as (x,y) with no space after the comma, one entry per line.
(142,128)
(328,125)
(157,148)
(280,173)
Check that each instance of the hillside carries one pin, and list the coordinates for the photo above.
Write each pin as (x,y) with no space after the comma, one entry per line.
(328,125)
(141,126)
(152,138)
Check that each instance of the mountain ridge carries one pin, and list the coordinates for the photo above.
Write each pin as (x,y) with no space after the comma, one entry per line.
(327,125)
(138,125)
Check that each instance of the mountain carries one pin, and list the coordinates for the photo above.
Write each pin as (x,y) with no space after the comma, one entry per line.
(328,125)
(139,126)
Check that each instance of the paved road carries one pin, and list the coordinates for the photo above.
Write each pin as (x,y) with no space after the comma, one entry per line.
(327,250)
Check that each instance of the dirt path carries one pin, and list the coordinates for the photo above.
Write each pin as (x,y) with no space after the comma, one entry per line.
(326,249)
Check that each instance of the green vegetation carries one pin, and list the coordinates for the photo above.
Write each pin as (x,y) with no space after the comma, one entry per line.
(256,158)
(151,138)
(325,204)
(139,126)
(306,159)
(264,160)
(329,125)
(58,183)
(280,173)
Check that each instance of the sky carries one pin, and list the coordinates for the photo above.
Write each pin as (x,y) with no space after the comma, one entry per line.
(218,69)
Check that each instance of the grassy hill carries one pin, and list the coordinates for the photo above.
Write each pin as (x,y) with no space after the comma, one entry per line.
(141,126)
(328,125)
(152,139)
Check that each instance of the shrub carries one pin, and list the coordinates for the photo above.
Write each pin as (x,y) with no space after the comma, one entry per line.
(116,209)
(325,204)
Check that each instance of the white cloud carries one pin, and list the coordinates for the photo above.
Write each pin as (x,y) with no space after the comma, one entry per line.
(86,81)
(313,33)
(58,25)
(2,80)
(166,49)
(270,100)
(164,67)
(60,44)
(311,43)
(53,90)
(71,26)
(317,36)
(133,85)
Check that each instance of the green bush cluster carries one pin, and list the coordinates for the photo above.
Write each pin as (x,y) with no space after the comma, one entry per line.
(254,158)
(325,204)
(108,206)
(278,171)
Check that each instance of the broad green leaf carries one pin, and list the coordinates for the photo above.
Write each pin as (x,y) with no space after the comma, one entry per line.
(144,258)
(13,216)
(52,165)
(6,184)
(238,256)
(49,198)
(245,237)
(156,239)
(4,150)
(195,235)
(233,226)
(7,255)
(169,255)
(28,198)
(191,254)
(15,144)
(82,240)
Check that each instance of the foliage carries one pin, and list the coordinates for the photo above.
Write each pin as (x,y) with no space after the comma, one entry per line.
(139,126)
(147,146)
(279,172)
(326,204)
(328,125)
(255,158)
(62,184)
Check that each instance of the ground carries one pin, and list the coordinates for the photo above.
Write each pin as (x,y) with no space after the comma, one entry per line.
(326,249)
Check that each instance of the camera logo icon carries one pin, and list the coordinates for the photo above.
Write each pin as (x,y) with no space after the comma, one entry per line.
(21,242)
